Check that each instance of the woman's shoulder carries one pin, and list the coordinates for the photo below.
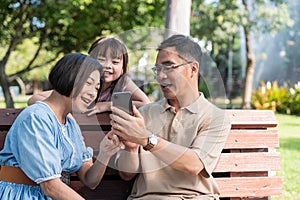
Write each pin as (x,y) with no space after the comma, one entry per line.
(38,111)
(38,108)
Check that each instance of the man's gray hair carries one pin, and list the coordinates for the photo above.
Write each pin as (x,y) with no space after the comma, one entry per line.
(186,47)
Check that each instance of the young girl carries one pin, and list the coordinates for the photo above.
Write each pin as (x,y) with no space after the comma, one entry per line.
(44,142)
(112,54)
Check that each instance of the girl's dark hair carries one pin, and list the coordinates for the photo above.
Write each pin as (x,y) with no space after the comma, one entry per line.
(117,49)
(71,72)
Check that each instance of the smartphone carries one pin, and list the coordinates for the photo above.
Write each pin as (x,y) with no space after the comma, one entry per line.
(123,100)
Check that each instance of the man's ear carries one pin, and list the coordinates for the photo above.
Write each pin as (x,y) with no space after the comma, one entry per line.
(195,68)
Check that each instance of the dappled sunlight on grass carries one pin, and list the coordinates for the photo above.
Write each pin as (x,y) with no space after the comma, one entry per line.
(289,138)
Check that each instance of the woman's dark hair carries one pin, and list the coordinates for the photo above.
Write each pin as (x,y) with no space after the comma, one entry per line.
(117,49)
(71,72)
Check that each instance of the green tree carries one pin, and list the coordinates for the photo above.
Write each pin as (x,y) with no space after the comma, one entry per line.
(60,27)
(220,23)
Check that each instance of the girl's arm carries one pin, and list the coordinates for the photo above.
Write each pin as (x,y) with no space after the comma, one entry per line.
(139,98)
(99,107)
(39,97)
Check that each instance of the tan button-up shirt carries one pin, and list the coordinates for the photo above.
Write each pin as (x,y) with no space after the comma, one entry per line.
(200,126)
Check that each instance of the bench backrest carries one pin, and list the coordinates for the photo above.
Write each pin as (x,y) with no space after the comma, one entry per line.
(247,166)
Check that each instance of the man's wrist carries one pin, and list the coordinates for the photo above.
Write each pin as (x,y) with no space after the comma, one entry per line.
(152,141)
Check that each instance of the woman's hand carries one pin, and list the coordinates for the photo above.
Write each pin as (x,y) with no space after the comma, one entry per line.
(109,145)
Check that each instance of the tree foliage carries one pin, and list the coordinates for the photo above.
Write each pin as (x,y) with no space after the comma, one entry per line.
(35,33)
(59,27)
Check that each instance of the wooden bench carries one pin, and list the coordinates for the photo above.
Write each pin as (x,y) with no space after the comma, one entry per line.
(246,169)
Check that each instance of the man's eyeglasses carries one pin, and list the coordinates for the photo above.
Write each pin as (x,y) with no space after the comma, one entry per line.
(167,68)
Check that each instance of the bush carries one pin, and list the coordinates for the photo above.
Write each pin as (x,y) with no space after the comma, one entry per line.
(295,101)
(284,99)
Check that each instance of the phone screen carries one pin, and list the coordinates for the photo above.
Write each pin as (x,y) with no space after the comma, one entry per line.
(123,100)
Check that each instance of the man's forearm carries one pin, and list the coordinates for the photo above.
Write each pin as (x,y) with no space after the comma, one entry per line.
(178,157)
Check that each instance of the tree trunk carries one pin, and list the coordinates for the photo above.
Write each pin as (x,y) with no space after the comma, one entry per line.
(5,87)
(229,82)
(250,64)
(178,14)
(22,85)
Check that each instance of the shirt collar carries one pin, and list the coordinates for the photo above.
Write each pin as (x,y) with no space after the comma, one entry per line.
(193,108)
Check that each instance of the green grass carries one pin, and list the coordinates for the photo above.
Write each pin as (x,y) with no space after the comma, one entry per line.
(289,139)
(20,101)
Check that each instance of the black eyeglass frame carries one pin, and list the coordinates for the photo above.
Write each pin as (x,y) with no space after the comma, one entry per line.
(156,69)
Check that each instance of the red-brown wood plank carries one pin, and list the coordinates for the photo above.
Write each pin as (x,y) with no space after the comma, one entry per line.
(2,138)
(100,118)
(250,198)
(248,162)
(99,122)
(93,138)
(252,118)
(7,117)
(239,139)
(250,186)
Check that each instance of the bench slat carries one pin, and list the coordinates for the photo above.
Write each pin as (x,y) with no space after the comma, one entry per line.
(239,118)
(8,116)
(239,139)
(248,162)
(2,138)
(250,186)
(84,120)
(257,118)
(93,138)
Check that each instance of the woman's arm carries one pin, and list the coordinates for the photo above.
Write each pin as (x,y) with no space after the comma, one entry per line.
(128,161)
(58,190)
(90,174)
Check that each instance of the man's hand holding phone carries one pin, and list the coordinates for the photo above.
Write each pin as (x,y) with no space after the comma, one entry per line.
(128,127)
(122,101)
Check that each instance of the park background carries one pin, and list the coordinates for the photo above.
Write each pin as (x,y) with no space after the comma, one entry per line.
(251,48)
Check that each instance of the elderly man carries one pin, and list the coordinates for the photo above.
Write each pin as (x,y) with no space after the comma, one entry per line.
(173,145)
